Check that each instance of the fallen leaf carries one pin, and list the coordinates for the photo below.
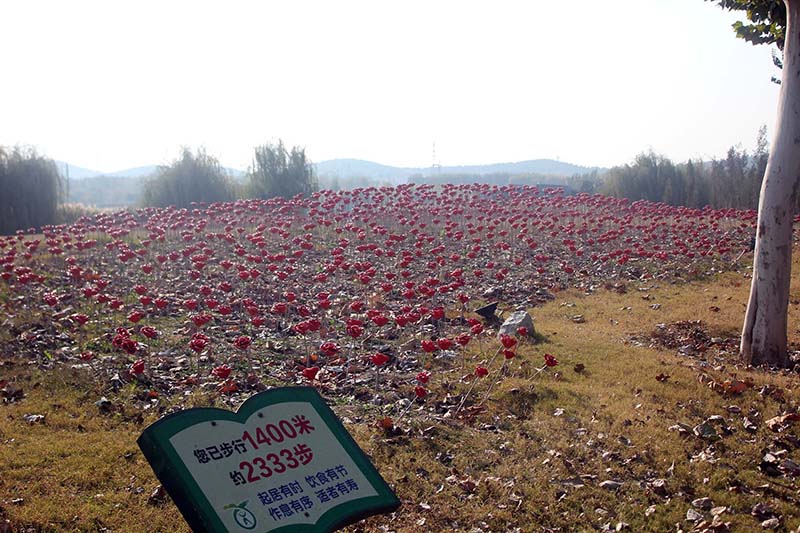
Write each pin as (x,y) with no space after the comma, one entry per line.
(702,503)
(33,419)
(693,516)
(158,496)
(780,423)
(385,423)
(735,386)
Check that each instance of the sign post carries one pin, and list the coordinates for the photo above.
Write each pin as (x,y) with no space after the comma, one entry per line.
(282,462)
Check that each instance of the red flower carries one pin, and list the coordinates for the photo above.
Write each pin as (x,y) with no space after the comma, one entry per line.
(522,331)
(354,330)
(379,359)
(137,367)
(198,342)
(508,341)
(481,371)
(243,342)
(550,360)
(310,373)
(420,392)
(135,316)
(428,346)
(225,286)
(463,339)
(380,320)
(508,354)
(279,308)
(222,371)
(201,319)
(423,377)
(444,343)
(80,318)
(329,349)
(149,332)
(129,345)
(477,329)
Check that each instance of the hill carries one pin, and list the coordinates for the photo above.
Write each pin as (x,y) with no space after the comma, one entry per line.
(357,168)
(79,173)
(76,172)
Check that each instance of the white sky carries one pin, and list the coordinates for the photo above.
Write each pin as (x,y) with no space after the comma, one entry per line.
(115,84)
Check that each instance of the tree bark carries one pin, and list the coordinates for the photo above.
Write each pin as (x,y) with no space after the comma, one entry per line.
(764,340)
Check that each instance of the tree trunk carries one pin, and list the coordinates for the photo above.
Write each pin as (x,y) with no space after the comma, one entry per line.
(765,323)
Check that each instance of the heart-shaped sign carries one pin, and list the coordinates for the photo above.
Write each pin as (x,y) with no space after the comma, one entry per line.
(282,462)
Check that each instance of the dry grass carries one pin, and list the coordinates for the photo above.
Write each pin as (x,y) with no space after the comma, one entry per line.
(503,469)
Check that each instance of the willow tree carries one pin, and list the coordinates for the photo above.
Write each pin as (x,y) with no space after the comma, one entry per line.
(277,171)
(192,177)
(31,190)
(764,338)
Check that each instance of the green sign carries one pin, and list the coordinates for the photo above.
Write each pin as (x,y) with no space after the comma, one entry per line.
(282,462)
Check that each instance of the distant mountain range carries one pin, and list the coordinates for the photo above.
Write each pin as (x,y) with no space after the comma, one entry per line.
(357,168)
(347,168)
(124,187)
(79,173)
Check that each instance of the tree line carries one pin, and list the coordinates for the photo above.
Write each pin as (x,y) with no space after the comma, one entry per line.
(34,191)
(196,176)
(734,181)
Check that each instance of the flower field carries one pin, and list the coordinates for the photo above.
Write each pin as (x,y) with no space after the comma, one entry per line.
(370,296)
(335,288)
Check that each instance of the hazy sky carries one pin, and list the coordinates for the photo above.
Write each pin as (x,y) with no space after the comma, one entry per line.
(111,85)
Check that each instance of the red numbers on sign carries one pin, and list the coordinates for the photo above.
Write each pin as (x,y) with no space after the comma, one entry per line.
(262,466)
(246,437)
(276,463)
(273,433)
(287,429)
(244,465)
